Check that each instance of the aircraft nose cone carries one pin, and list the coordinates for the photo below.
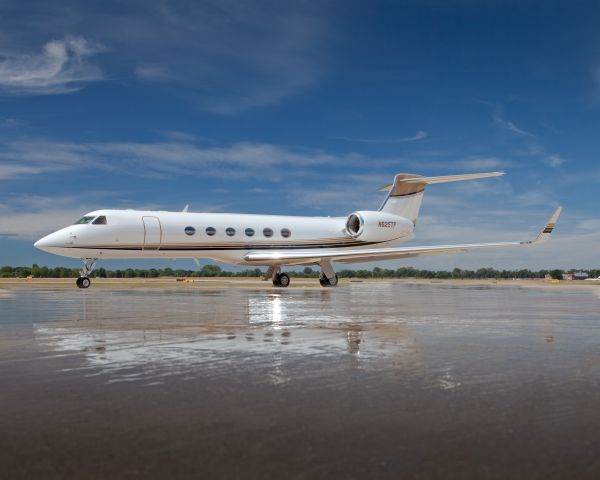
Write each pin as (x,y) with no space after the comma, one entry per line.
(42,243)
(49,241)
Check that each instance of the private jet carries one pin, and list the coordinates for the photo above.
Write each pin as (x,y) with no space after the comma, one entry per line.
(271,241)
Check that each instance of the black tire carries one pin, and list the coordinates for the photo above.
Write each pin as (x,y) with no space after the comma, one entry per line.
(325,282)
(78,282)
(276,281)
(284,280)
(83,282)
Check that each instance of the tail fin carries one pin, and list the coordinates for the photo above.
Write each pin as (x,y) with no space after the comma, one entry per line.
(406,193)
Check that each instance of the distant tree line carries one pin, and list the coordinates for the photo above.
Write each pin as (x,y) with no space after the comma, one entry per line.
(308,272)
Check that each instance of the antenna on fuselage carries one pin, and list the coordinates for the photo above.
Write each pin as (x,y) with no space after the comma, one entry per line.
(185,209)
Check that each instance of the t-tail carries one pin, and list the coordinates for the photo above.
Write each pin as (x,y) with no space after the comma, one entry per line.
(406,193)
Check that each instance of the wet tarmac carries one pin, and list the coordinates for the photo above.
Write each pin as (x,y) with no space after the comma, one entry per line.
(362,381)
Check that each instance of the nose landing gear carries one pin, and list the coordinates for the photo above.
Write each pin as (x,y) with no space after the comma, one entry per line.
(88,267)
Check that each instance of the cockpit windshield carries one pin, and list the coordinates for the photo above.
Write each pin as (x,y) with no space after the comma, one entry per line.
(84,220)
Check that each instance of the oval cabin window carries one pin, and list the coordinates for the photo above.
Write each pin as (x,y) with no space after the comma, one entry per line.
(190,230)
(249,232)
(230,231)
(268,232)
(210,231)
(285,232)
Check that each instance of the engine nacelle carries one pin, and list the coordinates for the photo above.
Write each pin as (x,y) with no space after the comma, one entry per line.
(370,226)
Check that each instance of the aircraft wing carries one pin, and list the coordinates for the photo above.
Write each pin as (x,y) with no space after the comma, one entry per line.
(280,257)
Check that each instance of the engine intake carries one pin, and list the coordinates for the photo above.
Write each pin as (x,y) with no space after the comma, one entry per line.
(370,226)
(354,224)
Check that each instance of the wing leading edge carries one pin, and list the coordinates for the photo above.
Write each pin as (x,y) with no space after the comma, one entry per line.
(371,254)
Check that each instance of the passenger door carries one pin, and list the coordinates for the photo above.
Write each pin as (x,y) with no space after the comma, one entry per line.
(152,233)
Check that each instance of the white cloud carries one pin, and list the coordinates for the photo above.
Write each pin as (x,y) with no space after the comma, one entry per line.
(29,217)
(590,224)
(160,159)
(153,72)
(554,160)
(507,125)
(12,171)
(223,56)
(10,123)
(511,126)
(481,163)
(421,134)
(61,67)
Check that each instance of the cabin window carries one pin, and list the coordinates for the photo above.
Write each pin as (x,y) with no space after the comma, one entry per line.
(249,232)
(268,232)
(83,220)
(285,232)
(101,220)
(210,231)
(230,232)
(190,231)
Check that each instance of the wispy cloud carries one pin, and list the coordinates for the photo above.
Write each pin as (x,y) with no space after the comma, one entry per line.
(61,67)
(223,56)
(482,163)
(554,160)
(10,123)
(31,216)
(510,126)
(596,80)
(417,136)
(12,171)
(161,159)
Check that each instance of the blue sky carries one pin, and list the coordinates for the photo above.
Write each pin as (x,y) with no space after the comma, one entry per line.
(304,108)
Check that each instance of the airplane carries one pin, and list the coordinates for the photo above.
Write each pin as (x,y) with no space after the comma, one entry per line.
(272,241)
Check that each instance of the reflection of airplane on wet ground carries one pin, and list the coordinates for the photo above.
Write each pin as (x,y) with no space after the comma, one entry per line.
(272,241)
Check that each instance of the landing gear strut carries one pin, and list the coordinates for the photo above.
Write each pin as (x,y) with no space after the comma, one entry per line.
(88,267)
(328,277)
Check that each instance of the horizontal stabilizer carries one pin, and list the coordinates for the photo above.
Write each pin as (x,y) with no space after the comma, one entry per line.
(417,179)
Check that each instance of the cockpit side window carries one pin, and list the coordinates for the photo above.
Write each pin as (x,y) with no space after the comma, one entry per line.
(101,220)
(83,220)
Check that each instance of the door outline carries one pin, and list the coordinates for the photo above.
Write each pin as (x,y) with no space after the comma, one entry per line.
(150,222)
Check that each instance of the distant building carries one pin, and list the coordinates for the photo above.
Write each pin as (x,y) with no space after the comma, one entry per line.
(575,276)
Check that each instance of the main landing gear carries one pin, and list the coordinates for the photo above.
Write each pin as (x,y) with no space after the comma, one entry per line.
(88,267)
(328,282)
(279,279)
(328,277)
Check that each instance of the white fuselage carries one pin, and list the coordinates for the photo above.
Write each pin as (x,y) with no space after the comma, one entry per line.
(224,237)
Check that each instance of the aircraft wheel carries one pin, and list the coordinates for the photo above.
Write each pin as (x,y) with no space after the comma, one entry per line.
(325,282)
(83,282)
(276,281)
(284,280)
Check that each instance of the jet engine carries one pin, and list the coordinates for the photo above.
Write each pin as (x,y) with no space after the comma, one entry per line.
(371,226)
